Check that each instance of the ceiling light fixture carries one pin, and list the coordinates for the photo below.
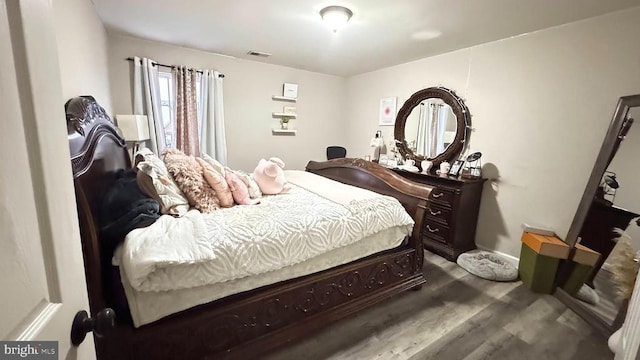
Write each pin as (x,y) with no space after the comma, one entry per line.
(336,16)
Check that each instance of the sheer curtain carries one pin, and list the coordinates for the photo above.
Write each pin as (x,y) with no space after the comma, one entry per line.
(146,100)
(422,139)
(186,110)
(211,114)
(437,126)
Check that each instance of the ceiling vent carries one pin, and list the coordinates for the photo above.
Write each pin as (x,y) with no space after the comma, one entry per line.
(258,53)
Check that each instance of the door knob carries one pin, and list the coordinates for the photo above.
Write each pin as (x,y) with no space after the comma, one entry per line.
(104,321)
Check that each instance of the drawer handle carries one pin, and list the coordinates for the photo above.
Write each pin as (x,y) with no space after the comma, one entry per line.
(434,213)
(437,195)
(432,230)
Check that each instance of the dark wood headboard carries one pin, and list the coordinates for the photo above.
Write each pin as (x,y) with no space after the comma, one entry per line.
(97,153)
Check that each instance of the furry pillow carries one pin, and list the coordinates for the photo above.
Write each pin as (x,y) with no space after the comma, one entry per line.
(187,173)
(154,180)
(487,265)
(217,182)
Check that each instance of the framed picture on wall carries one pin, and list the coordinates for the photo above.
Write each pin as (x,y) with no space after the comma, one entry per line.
(290,90)
(388,111)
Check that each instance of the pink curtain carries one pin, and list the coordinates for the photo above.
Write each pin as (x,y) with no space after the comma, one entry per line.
(186,111)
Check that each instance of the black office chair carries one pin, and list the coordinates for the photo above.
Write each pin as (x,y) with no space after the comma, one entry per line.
(334,152)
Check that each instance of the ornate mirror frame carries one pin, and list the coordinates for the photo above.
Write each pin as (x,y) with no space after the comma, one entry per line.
(462,131)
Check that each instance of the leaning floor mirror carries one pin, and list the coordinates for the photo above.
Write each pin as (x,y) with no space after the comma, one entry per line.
(607,221)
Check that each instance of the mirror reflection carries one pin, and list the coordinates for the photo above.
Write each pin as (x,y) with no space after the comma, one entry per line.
(430,128)
(612,228)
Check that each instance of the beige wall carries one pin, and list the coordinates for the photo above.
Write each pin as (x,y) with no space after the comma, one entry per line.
(541,104)
(248,87)
(82,51)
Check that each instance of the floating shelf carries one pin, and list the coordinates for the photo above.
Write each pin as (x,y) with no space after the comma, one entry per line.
(279,115)
(283,132)
(284,98)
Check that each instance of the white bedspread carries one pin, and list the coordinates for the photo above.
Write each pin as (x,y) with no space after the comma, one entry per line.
(283,230)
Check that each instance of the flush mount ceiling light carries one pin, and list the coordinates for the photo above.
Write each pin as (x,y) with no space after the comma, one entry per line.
(336,16)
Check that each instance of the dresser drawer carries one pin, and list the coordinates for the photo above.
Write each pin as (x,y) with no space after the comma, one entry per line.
(438,213)
(435,231)
(442,196)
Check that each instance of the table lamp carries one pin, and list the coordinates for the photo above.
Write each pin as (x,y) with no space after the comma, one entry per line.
(135,129)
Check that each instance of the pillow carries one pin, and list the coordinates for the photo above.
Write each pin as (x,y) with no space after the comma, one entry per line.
(154,180)
(239,189)
(217,182)
(187,173)
(215,164)
(252,185)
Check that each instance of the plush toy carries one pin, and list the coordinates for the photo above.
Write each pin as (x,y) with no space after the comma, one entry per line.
(238,189)
(270,176)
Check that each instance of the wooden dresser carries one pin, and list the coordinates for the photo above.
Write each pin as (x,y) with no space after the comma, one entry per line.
(449,226)
(598,233)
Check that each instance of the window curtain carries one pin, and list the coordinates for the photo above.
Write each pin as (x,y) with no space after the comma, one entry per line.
(186,110)
(211,114)
(146,100)
(422,139)
(437,127)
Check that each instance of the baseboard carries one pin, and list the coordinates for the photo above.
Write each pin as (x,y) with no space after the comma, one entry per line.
(510,258)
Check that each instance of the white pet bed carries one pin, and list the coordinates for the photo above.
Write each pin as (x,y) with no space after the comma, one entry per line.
(488,266)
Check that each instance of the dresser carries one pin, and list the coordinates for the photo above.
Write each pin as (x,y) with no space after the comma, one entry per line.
(598,233)
(451,216)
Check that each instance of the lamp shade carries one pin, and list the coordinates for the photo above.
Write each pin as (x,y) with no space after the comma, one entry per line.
(133,127)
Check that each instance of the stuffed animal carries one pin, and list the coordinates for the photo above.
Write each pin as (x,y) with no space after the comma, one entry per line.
(270,176)
(238,189)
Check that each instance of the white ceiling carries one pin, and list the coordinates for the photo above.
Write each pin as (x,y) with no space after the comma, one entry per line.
(380,34)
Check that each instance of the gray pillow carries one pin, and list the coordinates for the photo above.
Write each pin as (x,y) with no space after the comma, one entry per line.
(488,266)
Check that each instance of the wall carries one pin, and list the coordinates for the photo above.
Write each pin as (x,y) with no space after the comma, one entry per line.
(624,164)
(541,104)
(248,87)
(82,51)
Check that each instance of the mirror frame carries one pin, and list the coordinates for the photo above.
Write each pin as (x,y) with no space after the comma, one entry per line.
(463,119)
(602,163)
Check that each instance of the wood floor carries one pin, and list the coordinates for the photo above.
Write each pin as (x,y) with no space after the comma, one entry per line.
(457,316)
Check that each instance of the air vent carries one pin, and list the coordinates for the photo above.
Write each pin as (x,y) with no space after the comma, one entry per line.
(258,53)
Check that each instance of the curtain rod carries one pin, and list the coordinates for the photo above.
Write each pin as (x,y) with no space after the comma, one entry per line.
(172,66)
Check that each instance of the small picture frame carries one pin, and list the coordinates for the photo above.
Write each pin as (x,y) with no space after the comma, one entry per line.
(456,167)
(388,111)
(289,110)
(290,90)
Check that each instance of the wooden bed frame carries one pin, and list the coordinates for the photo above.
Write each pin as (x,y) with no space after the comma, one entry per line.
(242,325)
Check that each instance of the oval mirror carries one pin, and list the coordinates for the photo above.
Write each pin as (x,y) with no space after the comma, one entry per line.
(432,124)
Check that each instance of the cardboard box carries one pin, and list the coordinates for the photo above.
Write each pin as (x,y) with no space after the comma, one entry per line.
(539,259)
(581,265)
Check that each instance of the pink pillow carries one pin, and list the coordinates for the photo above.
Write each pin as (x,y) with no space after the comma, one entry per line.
(187,173)
(217,182)
(239,189)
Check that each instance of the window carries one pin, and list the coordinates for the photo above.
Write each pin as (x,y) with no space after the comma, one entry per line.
(167,108)
(168,103)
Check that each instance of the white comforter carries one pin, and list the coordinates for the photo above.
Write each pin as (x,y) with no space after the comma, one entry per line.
(316,216)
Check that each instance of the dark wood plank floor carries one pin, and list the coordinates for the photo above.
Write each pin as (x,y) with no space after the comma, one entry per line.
(457,316)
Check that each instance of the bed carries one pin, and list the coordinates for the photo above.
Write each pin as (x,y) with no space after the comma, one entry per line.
(255,320)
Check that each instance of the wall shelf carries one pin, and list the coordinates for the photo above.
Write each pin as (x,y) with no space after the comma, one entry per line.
(280,114)
(283,132)
(284,98)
